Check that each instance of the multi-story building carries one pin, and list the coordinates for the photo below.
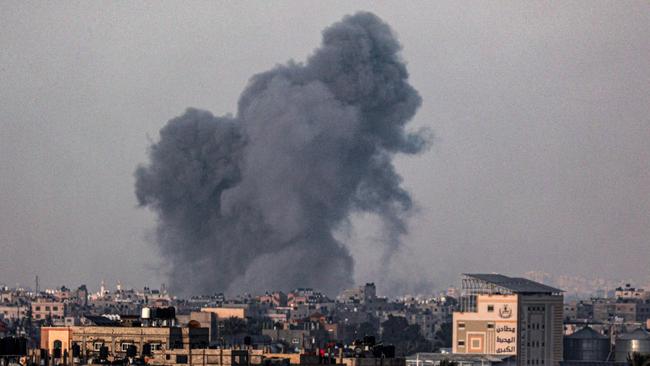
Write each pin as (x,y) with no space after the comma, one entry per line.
(362,294)
(630,293)
(503,315)
(628,311)
(48,309)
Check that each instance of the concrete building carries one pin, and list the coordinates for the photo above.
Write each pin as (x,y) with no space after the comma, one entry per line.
(119,338)
(620,309)
(227,312)
(508,316)
(13,312)
(257,357)
(630,293)
(48,309)
(362,294)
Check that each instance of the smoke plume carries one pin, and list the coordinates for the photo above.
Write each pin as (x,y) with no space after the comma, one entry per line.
(252,202)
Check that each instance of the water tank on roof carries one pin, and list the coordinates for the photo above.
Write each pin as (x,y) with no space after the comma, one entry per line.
(586,345)
(637,340)
(146,313)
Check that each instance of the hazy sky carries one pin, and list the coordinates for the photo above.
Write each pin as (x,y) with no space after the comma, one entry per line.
(541,113)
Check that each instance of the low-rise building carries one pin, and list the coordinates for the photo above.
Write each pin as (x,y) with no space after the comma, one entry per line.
(117,339)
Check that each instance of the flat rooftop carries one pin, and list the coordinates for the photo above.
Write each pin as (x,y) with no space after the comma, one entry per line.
(514,284)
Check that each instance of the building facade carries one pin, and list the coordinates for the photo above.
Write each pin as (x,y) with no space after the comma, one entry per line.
(117,339)
(507,316)
(43,309)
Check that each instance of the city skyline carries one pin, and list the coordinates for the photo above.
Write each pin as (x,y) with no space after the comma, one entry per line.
(574,287)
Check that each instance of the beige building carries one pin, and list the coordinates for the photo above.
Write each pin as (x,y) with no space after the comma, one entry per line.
(43,309)
(226,313)
(12,312)
(117,339)
(507,316)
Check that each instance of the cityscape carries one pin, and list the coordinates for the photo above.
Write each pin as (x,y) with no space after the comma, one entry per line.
(489,319)
(307,183)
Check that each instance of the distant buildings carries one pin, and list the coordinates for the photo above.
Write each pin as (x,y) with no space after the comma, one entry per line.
(491,320)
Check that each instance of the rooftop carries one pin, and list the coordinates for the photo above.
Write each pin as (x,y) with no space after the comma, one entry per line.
(514,284)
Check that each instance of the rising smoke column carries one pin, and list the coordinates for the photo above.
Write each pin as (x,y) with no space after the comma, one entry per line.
(252,202)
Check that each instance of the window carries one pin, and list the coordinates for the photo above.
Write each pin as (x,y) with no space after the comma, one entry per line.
(125,346)
(156,346)
(476,343)
(461,325)
(461,343)
(38,308)
(97,346)
(47,308)
(490,308)
(181,358)
(56,308)
(490,325)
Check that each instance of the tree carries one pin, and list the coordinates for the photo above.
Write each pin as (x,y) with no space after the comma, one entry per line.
(365,329)
(443,336)
(406,337)
(233,326)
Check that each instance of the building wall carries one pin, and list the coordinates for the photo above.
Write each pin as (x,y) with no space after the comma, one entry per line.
(528,326)
(492,329)
(12,312)
(90,338)
(200,357)
(541,330)
(41,310)
(49,335)
(207,320)
(225,313)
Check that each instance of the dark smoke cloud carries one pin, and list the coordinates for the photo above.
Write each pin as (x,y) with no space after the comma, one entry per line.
(252,202)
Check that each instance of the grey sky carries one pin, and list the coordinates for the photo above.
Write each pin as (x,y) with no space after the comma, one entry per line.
(541,113)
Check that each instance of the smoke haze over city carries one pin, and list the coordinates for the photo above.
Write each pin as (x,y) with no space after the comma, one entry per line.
(539,161)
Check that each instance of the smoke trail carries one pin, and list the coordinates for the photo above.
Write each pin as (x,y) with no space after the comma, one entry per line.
(251,202)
